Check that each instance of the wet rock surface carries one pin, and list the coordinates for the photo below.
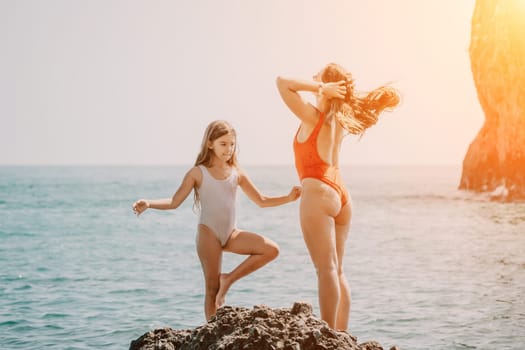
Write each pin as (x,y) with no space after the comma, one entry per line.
(259,328)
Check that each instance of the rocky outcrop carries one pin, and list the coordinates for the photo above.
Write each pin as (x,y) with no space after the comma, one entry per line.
(495,160)
(261,328)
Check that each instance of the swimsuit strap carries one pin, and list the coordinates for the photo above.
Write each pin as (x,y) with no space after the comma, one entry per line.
(206,172)
(317,128)
(313,134)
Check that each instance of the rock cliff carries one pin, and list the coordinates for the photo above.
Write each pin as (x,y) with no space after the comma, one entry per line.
(495,160)
(261,328)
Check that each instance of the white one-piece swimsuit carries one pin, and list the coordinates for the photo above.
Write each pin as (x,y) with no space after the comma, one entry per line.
(217,201)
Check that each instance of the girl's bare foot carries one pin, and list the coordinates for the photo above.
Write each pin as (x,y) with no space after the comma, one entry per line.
(224,285)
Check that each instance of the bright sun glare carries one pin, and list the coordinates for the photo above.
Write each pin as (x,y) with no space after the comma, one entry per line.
(519,7)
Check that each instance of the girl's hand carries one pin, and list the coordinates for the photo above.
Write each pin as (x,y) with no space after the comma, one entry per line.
(140,206)
(333,90)
(295,193)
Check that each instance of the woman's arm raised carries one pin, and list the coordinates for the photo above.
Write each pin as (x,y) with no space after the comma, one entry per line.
(288,89)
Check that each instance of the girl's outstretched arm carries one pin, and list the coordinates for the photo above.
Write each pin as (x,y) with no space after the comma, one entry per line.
(192,179)
(264,201)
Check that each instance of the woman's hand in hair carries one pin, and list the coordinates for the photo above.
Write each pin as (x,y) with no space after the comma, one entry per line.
(333,89)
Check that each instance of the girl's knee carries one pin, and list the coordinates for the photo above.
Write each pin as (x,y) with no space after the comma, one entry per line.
(272,251)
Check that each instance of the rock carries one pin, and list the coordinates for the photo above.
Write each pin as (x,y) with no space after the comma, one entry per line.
(302,309)
(370,345)
(495,160)
(262,328)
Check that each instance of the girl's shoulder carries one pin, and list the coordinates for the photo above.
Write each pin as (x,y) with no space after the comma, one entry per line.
(195,172)
(241,174)
(237,169)
(235,172)
(201,171)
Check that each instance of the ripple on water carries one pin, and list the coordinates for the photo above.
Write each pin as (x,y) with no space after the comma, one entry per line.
(135,291)
(55,315)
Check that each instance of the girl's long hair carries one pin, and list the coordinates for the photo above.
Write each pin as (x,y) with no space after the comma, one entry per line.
(214,130)
(358,113)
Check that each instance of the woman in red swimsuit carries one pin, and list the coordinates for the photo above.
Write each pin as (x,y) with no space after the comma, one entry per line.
(325,208)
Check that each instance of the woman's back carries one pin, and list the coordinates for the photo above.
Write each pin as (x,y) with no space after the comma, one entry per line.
(328,138)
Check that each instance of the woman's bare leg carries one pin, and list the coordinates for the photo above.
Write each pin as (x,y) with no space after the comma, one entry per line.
(210,254)
(318,226)
(261,251)
(342,228)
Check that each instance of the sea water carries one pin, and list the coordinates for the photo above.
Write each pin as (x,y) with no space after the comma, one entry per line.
(430,267)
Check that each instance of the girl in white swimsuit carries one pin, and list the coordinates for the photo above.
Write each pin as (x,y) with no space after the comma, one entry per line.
(214,180)
(217,199)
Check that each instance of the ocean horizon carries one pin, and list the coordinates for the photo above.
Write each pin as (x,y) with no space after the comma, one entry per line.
(430,267)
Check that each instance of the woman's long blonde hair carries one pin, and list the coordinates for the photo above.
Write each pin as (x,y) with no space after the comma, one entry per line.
(215,129)
(358,113)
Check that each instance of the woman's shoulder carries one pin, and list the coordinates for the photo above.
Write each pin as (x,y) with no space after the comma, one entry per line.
(312,118)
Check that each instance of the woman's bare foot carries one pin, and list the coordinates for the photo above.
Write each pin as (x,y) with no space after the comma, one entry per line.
(224,285)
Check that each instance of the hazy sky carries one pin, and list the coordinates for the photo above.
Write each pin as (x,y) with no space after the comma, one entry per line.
(136,82)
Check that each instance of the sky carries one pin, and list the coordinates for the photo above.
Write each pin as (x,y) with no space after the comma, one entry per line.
(106,82)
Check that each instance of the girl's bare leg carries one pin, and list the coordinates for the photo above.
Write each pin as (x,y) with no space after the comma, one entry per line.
(342,228)
(261,251)
(210,254)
